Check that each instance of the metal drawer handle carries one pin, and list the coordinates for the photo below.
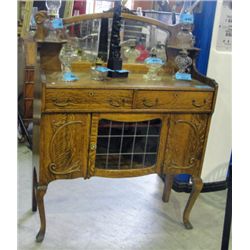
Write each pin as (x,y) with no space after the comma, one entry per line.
(199,105)
(116,103)
(149,104)
(62,103)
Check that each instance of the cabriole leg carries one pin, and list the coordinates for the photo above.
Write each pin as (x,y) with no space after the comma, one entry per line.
(196,189)
(167,187)
(40,192)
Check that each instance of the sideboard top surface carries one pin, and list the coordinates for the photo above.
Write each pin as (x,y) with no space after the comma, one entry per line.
(134,81)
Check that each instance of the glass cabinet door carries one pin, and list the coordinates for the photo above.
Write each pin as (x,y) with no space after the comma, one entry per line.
(130,144)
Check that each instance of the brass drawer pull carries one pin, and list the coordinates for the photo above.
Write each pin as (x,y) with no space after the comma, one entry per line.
(62,103)
(149,104)
(91,93)
(199,105)
(116,103)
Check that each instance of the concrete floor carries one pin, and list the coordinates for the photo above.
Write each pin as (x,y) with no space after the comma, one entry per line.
(108,214)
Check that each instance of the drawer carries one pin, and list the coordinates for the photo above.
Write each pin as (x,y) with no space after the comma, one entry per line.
(174,100)
(88,99)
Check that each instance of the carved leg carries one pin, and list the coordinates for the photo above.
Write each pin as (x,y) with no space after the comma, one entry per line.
(196,189)
(167,187)
(34,185)
(40,192)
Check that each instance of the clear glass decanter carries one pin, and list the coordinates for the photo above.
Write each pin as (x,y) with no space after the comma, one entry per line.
(68,54)
(154,65)
(53,7)
(185,38)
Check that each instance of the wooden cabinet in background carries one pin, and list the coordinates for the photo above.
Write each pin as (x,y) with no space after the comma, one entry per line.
(29,79)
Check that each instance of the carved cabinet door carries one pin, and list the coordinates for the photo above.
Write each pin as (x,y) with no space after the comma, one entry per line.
(185,143)
(65,137)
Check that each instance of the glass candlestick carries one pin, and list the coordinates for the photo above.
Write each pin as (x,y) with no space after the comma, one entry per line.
(154,65)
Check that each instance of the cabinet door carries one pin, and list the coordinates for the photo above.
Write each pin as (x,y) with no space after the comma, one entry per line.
(124,145)
(185,143)
(65,138)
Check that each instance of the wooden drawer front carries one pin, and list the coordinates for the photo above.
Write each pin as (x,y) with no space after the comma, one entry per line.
(88,99)
(175,100)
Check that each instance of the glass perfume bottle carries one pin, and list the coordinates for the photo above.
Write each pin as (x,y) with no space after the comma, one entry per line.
(154,65)
(68,54)
(51,24)
(183,62)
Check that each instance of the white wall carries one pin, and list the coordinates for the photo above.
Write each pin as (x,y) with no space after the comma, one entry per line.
(219,144)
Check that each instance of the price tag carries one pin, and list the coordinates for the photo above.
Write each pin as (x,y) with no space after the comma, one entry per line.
(187,18)
(121,71)
(183,76)
(101,69)
(154,60)
(69,76)
(57,23)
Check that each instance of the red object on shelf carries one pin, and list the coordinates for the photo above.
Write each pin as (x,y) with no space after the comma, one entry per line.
(143,53)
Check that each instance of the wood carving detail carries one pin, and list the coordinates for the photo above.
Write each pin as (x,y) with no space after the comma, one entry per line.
(194,146)
(63,151)
(63,102)
(92,152)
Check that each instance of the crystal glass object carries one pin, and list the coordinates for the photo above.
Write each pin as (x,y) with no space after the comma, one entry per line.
(131,53)
(53,7)
(183,62)
(185,38)
(68,54)
(99,73)
(154,65)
